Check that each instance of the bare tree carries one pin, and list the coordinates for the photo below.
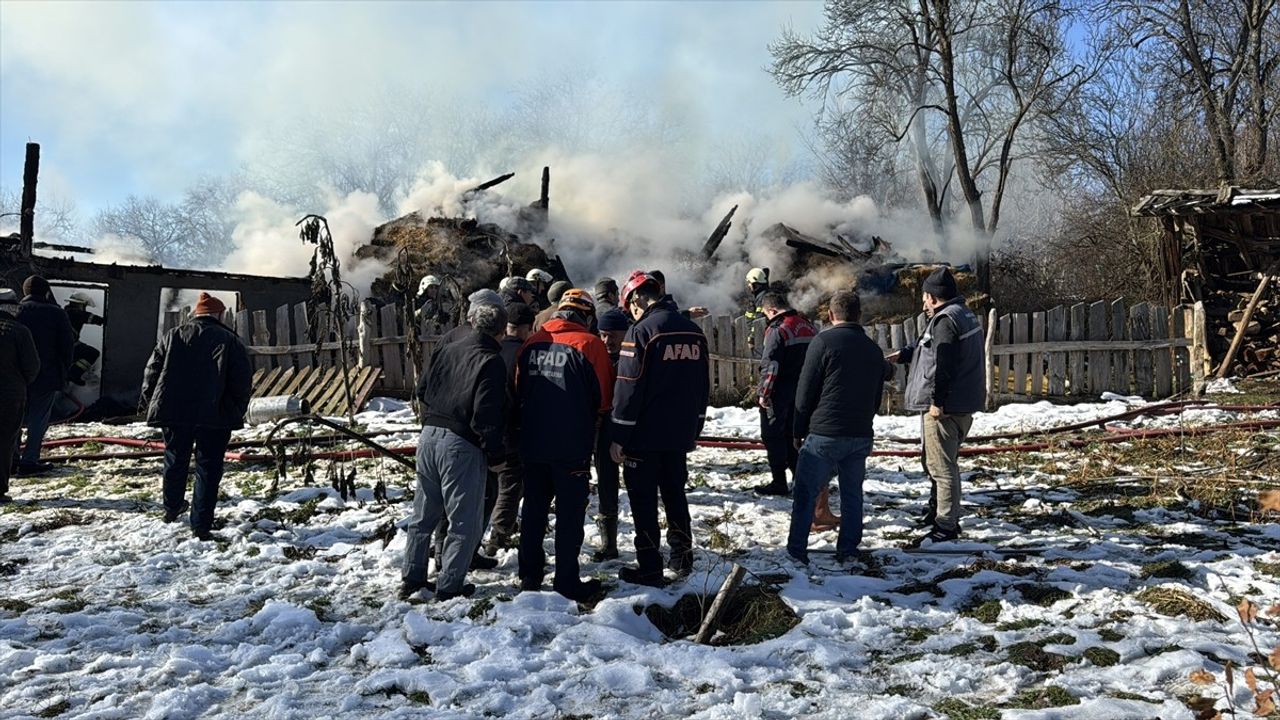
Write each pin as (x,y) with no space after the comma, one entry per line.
(193,232)
(57,219)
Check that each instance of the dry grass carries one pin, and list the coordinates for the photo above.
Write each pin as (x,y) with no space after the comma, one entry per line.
(1179,603)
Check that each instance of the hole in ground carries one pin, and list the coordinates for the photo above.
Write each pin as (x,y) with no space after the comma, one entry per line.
(752,614)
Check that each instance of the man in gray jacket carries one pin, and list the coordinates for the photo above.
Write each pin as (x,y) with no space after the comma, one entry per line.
(946,384)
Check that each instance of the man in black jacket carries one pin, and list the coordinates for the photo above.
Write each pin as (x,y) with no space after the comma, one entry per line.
(659,407)
(196,388)
(839,392)
(19,365)
(55,343)
(505,514)
(464,396)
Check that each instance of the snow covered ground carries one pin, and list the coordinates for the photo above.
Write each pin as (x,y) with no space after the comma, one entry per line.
(105,612)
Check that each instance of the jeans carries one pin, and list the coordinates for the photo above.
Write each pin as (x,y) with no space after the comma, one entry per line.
(648,476)
(569,486)
(37,422)
(820,458)
(451,474)
(940,455)
(210,449)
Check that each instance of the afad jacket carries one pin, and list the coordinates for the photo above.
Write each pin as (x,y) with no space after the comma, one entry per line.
(660,398)
(564,386)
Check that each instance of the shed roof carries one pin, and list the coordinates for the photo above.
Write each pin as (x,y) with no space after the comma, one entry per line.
(1192,201)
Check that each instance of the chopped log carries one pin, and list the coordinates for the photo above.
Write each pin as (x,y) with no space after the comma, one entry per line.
(1243,325)
(731,584)
(717,236)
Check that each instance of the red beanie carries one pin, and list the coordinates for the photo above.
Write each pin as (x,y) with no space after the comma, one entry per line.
(208,305)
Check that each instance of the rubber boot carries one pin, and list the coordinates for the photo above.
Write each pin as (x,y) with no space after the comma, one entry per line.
(822,517)
(608,527)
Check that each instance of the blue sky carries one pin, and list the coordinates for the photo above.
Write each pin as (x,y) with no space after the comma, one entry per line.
(144,98)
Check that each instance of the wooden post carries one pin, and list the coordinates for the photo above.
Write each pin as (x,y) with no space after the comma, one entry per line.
(1100,360)
(1163,357)
(1119,358)
(1079,382)
(989,360)
(1241,326)
(1057,358)
(1140,329)
(1020,360)
(1037,358)
(1199,349)
(27,221)
(366,332)
(731,584)
(283,335)
(1005,337)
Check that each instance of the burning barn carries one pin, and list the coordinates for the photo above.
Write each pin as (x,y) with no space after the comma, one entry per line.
(1222,247)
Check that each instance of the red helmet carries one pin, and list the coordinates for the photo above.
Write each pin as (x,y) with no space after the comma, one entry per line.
(636,280)
(579,300)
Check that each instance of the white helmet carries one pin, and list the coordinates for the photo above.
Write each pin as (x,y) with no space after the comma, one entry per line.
(506,283)
(83,299)
(538,275)
(428,281)
(758,276)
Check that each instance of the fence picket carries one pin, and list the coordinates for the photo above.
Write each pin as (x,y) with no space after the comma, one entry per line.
(1099,360)
(1119,358)
(306,358)
(1161,359)
(1004,337)
(1140,329)
(283,336)
(1078,382)
(1037,359)
(392,355)
(1020,360)
(1179,324)
(1057,332)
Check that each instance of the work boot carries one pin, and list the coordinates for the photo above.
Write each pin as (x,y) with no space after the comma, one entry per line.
(608,527)
(681,564)
(530,585)
(772,488)
(823,519)
(483,562)
(635,577)
(467,591)
(409,587)
(584,592)
(172,515)
(33,469)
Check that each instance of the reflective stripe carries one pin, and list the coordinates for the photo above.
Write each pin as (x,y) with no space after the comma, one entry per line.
(624,422)
(627,353)
(972,332)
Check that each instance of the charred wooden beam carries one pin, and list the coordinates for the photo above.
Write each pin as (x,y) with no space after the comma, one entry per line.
(544,200)
(27,223)
(486,185)
(61,248)
(717,236)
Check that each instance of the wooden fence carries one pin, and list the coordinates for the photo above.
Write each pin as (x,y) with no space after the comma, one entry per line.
(1078,351)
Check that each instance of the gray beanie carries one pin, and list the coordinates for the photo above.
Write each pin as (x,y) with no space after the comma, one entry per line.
(8,300)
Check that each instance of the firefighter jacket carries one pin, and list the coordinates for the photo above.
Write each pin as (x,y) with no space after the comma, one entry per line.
(564,384)
(660,399)
(786,338)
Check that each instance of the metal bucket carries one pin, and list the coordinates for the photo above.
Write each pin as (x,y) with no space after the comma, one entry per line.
(276,407)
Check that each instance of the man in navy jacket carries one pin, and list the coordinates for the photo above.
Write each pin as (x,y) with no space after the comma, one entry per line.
(659,407)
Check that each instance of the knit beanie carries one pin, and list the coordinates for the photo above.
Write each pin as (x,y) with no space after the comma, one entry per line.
(613,320)
(207,304)
(36,286)
(941,284)
(556,291)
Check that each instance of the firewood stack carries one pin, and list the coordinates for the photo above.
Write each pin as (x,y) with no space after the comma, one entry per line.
(1259,350)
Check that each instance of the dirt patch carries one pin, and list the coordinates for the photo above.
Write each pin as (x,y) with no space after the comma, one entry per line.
(753,614)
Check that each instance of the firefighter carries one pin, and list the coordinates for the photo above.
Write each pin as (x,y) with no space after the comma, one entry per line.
(541,281)
(659,408)
(86,356)
(516,290)
(564,385)
(429,304)
(786,337)
(757,285)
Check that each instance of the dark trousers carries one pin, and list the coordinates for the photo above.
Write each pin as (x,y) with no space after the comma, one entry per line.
(569,486)
(649,476)
(11,410)
(505,516)
(39,406)
(608,474)
(210,447)
(779,445)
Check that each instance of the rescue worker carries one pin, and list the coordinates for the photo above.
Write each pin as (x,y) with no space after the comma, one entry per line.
(464,396)
(196,387)
(837,397)
(757,285)
(429,304)
(606,294)
(786,338)
(613,326)
(505,516)
(554,293)
(516,289)
(86,356)
(19,366)
(541,281)
(659,408)
(55,343)
(946,384)
(564,385)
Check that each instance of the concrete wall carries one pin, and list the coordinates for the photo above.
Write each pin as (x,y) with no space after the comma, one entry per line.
(133,309)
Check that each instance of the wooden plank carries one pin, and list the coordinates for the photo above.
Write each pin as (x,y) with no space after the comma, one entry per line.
(1099,360)
(284,336)
(306,354)
(744,373)
(333,396)
(1004,336)
(1020,359)
(900,374)
(988,359)
(263,380)
(1161,359)
(1119,357)
(322,386)
(1199,349)
(1140,329)
(1077,380)
(301,383)
(392,356)
(1179,322)
(243,324)
(724,346)
(277,383)
(1056,331)
(261,336)
(1038,331)
(1090,345)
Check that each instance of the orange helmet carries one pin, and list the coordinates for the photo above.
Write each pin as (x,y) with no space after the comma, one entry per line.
(579,300)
